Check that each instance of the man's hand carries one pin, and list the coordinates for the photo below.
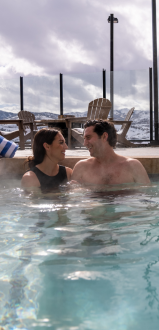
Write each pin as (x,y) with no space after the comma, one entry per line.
(73,182)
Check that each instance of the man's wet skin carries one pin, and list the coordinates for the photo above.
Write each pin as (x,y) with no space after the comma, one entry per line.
(105,166)
(105,191)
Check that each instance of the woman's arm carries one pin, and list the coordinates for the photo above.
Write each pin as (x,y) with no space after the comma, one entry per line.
(69,173)
(30,179)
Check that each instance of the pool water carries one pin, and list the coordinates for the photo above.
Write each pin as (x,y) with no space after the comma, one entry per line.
(79,259)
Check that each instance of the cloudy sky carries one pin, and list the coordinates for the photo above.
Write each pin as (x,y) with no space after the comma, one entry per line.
(41,38)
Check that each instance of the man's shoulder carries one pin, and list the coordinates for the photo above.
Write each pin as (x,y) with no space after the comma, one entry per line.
(81,168)
(83,162)
(128,161)
(137,169)
(132,162)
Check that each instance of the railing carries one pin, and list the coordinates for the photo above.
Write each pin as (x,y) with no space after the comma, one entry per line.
(42,94)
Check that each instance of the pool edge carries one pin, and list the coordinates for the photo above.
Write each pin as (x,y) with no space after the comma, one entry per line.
(15,166)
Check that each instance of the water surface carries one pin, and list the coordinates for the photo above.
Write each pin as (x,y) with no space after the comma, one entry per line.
(79,259)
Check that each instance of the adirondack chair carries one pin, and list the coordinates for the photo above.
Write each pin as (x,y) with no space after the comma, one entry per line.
(28,117)
(9,135)
(16,133)
(121,134)
(97,109)
(25,131)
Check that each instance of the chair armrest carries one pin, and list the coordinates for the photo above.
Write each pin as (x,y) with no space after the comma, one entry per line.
(120,122)
(29,124)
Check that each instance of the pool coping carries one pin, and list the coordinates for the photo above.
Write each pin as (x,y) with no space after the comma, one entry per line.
(15,166)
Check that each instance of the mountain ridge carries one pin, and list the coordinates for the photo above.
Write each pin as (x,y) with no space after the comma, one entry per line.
(140,127)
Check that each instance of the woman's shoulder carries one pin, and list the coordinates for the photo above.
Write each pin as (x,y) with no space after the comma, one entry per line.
(30,179)
(68,171)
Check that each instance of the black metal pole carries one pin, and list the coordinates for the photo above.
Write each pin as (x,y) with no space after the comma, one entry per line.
(21,93)
(112,64)
(104,83)
(61,94)
(151,104)
(111,42)
(155,71)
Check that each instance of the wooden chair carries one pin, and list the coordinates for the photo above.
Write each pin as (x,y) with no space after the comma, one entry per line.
(10,135)
(28,119)
(97,109)
(26,130)
(121,134)
(17,133)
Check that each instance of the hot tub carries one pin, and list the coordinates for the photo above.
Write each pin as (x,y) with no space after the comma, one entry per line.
(83,258)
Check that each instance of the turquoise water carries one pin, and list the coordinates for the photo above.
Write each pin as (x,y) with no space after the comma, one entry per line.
(79,259)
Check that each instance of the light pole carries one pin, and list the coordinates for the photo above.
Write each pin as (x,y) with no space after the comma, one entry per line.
(112,20)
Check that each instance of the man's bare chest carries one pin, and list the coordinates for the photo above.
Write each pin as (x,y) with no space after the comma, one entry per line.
(106,175)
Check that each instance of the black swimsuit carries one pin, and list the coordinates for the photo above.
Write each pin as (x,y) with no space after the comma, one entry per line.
(48,183)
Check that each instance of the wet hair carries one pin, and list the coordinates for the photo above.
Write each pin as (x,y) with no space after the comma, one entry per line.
(101,126)
(43,135)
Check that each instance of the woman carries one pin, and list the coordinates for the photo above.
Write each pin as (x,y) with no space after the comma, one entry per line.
(48,149)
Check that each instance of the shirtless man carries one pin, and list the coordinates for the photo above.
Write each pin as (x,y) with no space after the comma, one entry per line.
(105,166)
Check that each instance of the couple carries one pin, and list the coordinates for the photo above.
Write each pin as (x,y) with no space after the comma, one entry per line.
(104,166)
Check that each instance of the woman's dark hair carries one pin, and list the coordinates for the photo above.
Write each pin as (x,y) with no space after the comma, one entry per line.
(43,135)
(101,126)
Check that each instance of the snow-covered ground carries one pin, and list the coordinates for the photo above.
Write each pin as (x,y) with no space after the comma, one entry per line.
(139,129)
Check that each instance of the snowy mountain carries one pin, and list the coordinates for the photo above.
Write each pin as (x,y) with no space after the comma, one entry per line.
(139,128)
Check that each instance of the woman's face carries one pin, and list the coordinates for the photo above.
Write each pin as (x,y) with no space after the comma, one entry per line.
(58,147)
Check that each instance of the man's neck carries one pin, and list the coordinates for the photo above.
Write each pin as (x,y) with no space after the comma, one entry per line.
(107,157)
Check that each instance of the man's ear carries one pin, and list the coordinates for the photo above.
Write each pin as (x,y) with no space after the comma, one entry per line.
(105,136)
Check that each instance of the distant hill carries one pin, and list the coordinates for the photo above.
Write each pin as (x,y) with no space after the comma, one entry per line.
(139,128)
(40,115)
(142,116)
(6,115)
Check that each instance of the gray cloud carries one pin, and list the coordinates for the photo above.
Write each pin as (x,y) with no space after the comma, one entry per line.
(45,37)
(28,26)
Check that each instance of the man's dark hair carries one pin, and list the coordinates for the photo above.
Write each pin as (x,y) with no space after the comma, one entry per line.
(101,126)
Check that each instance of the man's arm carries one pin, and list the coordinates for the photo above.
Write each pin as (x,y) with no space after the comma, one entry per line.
(139,172)
(78,169)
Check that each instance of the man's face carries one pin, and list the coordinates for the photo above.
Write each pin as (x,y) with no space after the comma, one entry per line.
(92,141)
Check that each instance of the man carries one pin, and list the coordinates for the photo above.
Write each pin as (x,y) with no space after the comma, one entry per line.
(105,166)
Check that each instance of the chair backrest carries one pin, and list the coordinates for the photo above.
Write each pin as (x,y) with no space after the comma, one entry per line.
(125,127)
(27,117)
(98,109)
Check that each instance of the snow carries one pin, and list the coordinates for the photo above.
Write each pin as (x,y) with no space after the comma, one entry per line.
(139,128)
